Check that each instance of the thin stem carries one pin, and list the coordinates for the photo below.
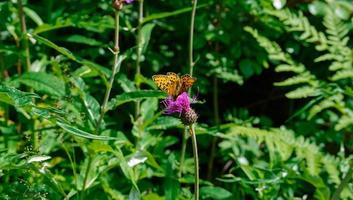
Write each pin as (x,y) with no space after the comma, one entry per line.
(191,37)
(115,70)
(196,161)
(24,32)
(139,53)
(73,166)
(88,168)
(344,183)
(217,121)
(191,70)
(183,149)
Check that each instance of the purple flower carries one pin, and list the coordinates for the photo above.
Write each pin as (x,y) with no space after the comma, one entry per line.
(129,1)
(180,105)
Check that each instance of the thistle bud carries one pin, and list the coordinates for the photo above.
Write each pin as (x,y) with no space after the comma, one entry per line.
(118,4)
(189,117)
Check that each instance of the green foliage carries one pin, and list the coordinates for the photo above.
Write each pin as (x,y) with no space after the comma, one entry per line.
(273,97)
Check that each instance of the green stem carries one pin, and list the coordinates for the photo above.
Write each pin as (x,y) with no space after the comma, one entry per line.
(115,70)
(183,149)
(88,168)
(139,54)
(72,163)
(191,37)
(24,32)
(196,161)
(191,70)
(344,183)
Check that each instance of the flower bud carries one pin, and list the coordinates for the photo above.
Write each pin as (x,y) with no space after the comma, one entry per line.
(189,117)
(118,4)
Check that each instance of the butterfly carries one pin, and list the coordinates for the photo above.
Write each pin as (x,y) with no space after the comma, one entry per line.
(172,84)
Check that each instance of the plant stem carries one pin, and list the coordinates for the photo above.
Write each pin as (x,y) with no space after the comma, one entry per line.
(183,149)
(217,121)
(196,161)
(88,168)
(344,183)
(115,70)
(73,166)
(24,32)
(191,70)
(139,54)
(191,37)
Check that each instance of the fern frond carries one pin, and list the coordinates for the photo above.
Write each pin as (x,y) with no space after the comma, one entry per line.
(298,79)
(335,101)
(303,92)
(299,23)
(345,120)
(348,73)
(284,142)
(290,68)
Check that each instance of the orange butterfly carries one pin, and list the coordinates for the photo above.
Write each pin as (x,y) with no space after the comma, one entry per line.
(172,84)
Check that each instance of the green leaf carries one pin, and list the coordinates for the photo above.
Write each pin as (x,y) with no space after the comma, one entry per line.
(146,35)
(80,133)
(43,82)
(49,27)
(98,146)
(133,96)
(214,193)
(48,43)
(127,171)
(83,40)
(33,15)
(16,97)
(94,66)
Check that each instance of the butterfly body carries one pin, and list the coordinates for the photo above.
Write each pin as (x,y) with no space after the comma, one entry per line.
(172,84)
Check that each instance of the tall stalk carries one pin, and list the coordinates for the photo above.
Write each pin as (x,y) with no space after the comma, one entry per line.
(196,161)
(183,149)
(115,70)
(139,54)
(191,38)
(24,33)
(191,71)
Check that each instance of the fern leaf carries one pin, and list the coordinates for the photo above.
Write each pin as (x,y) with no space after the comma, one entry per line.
(303,92)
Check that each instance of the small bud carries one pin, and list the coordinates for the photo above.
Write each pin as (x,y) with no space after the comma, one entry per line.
(189,117)
(118,4)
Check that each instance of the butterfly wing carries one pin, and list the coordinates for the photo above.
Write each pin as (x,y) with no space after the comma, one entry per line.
(167,83)
(186,82)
